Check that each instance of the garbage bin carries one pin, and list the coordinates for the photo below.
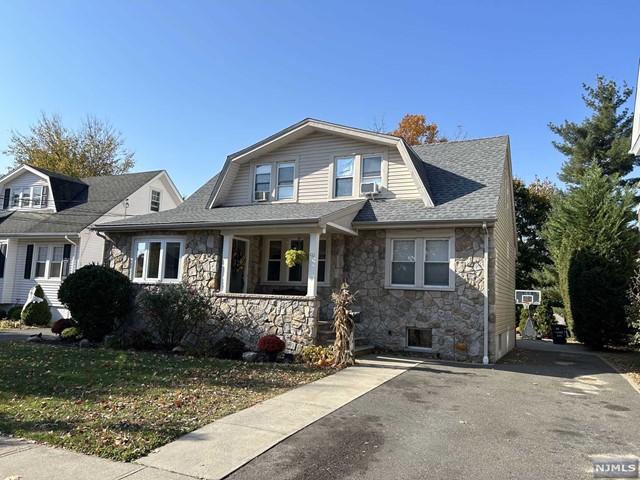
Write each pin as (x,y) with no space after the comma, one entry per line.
(559,334)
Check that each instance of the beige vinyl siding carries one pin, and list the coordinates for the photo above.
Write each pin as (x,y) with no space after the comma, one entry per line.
(400,182)
(91,248)
(140,201)
(240,191)
(314,155)
(505,248)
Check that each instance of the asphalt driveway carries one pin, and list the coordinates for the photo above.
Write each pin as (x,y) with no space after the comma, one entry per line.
(537,414)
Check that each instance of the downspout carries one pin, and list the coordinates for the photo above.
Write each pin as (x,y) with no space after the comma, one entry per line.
(485,358)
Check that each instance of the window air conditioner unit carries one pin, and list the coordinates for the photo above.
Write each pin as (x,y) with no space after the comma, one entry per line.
(261,196)
(370,188)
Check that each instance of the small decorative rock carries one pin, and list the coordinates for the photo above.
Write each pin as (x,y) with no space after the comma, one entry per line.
(249,356)
(178,349)
(84,343)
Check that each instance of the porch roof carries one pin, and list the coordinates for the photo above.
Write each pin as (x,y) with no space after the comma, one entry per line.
(318,213)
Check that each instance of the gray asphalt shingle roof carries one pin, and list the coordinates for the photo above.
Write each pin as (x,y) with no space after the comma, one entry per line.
(95,199)
(463,179)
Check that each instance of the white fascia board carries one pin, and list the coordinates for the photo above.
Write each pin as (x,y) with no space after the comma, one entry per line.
(428,201)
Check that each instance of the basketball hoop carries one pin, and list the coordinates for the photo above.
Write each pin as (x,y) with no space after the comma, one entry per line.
(526,303)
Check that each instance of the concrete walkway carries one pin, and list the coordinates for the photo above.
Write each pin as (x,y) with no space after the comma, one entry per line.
(217,449)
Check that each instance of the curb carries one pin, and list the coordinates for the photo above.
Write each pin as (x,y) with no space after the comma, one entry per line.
(624,375)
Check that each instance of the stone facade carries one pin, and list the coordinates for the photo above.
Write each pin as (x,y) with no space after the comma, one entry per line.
(250,316)
(454,317)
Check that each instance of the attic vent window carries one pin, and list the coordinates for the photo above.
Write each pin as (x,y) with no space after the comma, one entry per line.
(155,201)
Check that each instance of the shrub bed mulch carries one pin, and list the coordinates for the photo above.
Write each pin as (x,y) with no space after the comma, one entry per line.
(122,405)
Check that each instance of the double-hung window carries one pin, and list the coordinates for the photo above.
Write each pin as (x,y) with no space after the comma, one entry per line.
(155,201)
(41,261)
(295,272)
(371,171)
(421,263)
(157,260)
(52,261)
(262,182)
(344,177)
(286,173)
(22,197)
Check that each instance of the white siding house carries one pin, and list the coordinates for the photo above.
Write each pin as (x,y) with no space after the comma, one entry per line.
(45,224)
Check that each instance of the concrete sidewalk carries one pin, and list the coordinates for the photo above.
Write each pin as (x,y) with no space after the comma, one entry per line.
(217,449)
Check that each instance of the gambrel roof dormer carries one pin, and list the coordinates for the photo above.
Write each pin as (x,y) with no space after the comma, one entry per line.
(36,189)
(305,128)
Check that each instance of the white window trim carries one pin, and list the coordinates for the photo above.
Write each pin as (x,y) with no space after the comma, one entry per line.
(417,349)
(151,199)
(357,173)
(273,193)
(420,238)
(284,270)
(163,242)
(48,261)
(31,189)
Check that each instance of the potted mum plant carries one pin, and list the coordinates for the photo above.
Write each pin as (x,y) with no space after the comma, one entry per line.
(271,345)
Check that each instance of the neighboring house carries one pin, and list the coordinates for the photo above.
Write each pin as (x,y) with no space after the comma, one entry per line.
(45,220)
(635,135)
(425,235)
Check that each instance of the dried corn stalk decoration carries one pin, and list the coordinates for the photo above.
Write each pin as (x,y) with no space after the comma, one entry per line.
(344,326)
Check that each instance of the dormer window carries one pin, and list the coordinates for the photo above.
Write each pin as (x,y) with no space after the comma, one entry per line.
(22,197)
(371,171)
(262,184)
(26,197)
(285,180)
(344,177)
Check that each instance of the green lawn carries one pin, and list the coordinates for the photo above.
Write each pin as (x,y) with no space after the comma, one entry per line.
(121,405)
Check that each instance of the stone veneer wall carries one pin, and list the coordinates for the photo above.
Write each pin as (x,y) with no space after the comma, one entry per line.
(455,317)
(250,316)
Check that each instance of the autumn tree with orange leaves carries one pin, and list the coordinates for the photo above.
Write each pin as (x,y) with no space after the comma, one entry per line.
(416,131)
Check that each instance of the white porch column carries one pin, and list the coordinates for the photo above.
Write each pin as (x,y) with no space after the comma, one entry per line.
(227,242)
(312,277)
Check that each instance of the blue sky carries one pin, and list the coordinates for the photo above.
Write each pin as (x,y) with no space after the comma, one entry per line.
(189,82)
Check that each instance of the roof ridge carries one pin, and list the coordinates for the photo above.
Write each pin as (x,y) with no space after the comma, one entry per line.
(157,172)
(504,135)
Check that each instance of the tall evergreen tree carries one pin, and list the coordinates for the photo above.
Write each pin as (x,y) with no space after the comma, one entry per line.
(532,205)
(603,138)
(589,230)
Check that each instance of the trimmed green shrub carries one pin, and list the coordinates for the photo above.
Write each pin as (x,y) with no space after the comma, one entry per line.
(37,313)
(70,333)
(60,325)
(98,298)
(140,340)
(15,313)
(172,311)
(3,314)
(597,287)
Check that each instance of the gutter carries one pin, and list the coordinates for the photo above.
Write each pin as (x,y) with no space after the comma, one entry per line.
(39,235)
(423,223)
(485,357)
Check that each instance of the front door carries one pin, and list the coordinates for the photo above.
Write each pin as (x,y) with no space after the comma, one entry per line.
(238,279)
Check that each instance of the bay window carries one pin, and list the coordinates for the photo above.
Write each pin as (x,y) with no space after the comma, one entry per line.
(157,259)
